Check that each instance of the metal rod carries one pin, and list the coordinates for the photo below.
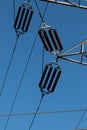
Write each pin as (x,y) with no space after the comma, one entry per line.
(72,60)
(70,49)
(70,54)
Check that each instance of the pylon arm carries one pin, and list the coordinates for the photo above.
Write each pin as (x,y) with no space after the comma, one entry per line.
(84,42)
(67,3)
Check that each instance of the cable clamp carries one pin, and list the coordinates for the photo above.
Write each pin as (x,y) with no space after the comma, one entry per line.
(45,26)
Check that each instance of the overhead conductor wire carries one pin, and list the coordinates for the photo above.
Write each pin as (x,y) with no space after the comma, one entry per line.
(11,58)
(44,112)
(14,9)
(81,118)
(22,77)
(36,112)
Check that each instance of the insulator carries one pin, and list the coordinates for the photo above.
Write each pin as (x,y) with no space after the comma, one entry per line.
(28,22)
(50,39)
(45,39)
(58,39)
(47,76)
(49,79)
(43,75)
(54,79)
(17,17)
(55,39)
(23,18)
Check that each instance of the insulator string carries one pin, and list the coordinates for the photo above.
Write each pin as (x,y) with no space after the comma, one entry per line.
(36,111)
(8,68)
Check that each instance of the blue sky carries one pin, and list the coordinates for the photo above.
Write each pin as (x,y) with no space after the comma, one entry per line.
(71,90)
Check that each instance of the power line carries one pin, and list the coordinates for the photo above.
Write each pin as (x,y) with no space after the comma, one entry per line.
(44,113)
(10,61)
(14,49)
(39,11)
(82,116)
(36,111)
(14,9)
(20,83)
(82,129)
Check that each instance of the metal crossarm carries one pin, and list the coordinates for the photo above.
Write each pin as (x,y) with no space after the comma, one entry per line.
(71,53)
(67,3)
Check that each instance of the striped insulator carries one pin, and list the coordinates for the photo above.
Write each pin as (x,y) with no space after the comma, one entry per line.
(23,18)
(49,79)
(50,39)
